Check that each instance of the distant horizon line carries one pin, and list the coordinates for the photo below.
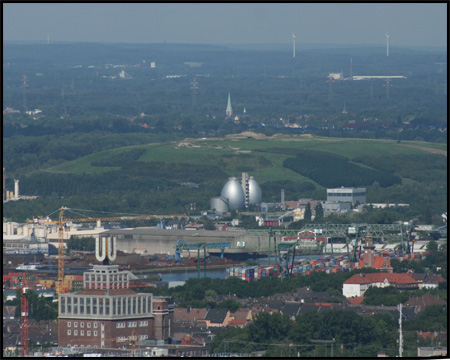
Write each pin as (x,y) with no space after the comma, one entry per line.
(287,44)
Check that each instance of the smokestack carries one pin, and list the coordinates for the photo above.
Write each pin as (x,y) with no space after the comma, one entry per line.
(16,189)
(4,185)
(282,196)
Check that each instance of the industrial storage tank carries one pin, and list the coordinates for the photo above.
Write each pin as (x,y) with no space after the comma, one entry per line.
(219,204)
(232,191)
(255,194)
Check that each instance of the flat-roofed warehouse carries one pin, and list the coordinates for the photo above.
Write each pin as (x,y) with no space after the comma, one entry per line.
(159,241)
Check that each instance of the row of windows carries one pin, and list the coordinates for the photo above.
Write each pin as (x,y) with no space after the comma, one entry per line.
(105,305)
(88,346)
(75,324)
(75,333)
(131,324)
(346,194)
(124,338)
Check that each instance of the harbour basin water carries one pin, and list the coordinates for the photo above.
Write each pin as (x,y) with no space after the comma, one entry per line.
(220,273)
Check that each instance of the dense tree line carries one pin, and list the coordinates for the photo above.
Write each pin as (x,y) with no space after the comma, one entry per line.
(349,333)
(334,171)
(390,296)
(420,167)
(39,307)
(314,333)
(197,289)
(82,244)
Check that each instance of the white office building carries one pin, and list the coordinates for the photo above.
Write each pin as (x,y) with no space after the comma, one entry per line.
(347,195)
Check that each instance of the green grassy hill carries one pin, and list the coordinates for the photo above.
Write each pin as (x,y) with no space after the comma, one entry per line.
(150,178)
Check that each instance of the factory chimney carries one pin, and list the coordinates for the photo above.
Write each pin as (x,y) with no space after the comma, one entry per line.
(282,197)
(16,189)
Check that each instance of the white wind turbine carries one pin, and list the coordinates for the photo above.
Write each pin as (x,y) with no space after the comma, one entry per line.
(293,44)
(387,44)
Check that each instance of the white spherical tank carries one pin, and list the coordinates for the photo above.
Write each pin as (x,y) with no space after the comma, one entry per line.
(232,191)
(219,204)
(255,195)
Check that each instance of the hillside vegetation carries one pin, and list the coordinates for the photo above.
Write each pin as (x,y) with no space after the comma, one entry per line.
(152,178)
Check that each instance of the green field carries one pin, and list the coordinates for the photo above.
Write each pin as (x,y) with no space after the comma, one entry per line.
(232,156)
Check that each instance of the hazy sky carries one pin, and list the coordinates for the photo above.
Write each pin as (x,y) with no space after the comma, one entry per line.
(408,24)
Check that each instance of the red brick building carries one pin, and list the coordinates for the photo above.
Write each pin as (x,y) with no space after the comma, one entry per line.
(108,314)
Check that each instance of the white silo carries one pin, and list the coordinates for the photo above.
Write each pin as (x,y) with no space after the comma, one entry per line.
(219,204)
(255,194)
(232,191)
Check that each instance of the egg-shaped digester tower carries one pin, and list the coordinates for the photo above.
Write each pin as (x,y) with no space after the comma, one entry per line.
(232,191)
(255,194)
(219,204)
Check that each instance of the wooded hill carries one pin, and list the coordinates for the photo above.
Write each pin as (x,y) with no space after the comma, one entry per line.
(152,178)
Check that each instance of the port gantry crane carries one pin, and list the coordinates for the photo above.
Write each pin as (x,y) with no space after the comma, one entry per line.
(62,221)
(184,245)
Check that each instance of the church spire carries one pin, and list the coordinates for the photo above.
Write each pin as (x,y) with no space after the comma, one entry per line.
(229,111)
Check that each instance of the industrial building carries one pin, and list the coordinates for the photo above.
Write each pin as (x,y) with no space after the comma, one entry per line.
(342,194)
(162,241)
(237,196)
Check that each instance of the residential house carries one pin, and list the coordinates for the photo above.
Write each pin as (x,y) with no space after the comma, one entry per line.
(291,309)
(240,318)
(359,283)
(217,317)
(427,280)
(11,334)
(379,262)
(175,225)
(8,312)
(419,303)
(438,336)
(189,315)
(432,351)
(356,300)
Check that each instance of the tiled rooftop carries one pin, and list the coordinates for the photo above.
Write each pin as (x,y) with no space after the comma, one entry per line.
(370,278)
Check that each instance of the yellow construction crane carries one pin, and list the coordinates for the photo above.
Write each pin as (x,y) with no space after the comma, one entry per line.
(62,221)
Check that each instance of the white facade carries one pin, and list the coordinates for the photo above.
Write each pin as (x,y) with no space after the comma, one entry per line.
(347,195)
(349,290)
